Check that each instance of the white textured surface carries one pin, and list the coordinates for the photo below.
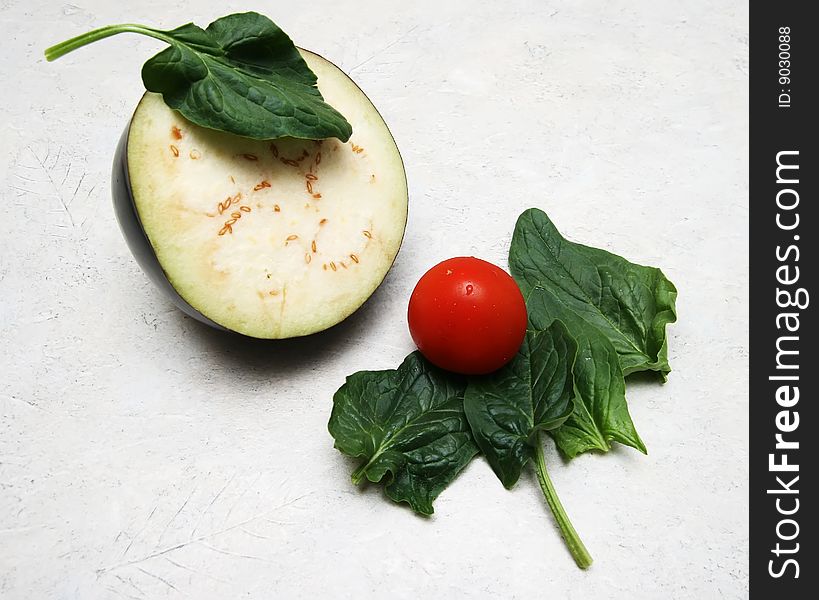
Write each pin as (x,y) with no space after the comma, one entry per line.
(144,456)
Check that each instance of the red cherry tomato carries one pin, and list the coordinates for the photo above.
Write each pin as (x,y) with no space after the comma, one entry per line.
(468,316)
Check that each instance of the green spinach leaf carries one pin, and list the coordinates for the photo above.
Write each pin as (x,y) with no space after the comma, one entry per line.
(600,413)
(242,75)
(534,392)
(630,304)
(409,427)
(508,409)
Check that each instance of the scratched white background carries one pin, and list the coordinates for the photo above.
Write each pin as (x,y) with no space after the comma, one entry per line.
(145,456)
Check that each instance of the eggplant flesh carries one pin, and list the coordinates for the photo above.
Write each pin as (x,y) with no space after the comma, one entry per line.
(270,239)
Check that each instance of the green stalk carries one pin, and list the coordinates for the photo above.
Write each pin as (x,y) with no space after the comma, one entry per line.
(358,474)
(578,550)
(63,48)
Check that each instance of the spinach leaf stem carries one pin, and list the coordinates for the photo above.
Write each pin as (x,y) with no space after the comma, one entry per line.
(578,550)
(63,48)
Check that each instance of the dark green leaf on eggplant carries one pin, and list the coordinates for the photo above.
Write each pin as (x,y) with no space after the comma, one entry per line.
(242,74)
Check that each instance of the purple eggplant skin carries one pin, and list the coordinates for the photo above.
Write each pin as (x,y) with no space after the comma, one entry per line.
(135,236)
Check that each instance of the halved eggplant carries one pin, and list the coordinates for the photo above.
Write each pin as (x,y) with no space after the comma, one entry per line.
(269,239)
